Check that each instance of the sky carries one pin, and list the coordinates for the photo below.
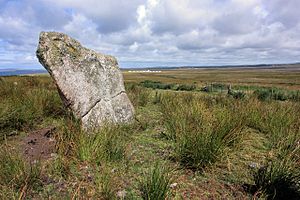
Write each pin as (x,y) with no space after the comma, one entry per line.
(150,33)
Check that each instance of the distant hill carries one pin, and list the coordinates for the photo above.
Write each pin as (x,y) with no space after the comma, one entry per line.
(259,66)
(14,72)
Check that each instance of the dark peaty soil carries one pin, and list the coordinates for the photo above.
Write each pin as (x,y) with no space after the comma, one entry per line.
(39,145)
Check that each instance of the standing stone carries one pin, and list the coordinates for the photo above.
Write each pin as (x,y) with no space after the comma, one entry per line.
(89,83)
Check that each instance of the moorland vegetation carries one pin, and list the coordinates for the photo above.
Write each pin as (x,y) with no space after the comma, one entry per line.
(184,143)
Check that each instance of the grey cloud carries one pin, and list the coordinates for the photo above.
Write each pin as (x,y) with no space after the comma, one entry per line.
(109,16)
(286,12)
(126,38)
(51,18)
(235,23)
(179,17)
(21,22)
(39,14)
(199,39)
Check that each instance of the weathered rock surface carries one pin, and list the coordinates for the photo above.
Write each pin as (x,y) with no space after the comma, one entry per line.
(89,83)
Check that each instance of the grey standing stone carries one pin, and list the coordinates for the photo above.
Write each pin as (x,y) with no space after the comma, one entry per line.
(89,83)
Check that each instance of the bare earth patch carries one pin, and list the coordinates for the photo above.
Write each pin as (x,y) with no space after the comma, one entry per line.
(39,145)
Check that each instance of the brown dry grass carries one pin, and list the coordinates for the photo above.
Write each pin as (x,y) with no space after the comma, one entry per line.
(283,78)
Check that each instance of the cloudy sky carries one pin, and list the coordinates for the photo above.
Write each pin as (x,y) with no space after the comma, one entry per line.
(156,32)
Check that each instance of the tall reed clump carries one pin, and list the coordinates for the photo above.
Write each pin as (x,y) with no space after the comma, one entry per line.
(279,177)
(107,144)
(17,177)
(155,184)
(201,133)
(279,121)
(104,185)
(75,146)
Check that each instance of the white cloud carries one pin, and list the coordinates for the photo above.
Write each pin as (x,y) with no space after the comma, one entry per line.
(134,47)
(83,29)
(108,15)
(141,14)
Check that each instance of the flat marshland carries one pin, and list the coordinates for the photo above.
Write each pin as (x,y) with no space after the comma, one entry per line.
(193,137)
(284,77)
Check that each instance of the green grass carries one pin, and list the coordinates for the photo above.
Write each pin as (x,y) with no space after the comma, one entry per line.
(24,105)
(247,78)
(104,185)
(201,133)
(139,96)
(156,85)
(276,180)
(265,94)
(155,184)
(17,177)
(279,176)
(108,144)
(164,86)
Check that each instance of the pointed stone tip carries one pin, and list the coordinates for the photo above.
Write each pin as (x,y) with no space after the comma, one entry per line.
(47,39)
(51,34)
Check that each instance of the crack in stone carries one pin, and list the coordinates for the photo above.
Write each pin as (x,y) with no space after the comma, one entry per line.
(90,108)
(94,104)
(121,92)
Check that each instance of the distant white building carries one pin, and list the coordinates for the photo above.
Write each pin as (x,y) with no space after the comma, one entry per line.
(145,71)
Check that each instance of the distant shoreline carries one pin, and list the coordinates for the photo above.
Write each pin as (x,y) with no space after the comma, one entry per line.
(16,72)
(258,66)
(295,66)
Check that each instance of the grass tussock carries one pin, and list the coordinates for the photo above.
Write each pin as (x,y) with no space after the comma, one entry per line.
(279,177)
(201,133)
(108,144)
(165,86)
(278,180)
(104,185)
(155,184)
(267,94)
